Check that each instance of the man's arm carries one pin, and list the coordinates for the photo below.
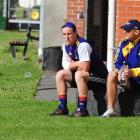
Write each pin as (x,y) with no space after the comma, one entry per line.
(84,51)
(74,65)
(82,66)
(119,57)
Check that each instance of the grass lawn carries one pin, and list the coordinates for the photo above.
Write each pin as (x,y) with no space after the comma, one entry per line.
(23,118)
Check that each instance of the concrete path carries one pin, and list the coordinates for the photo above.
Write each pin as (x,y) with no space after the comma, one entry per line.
(46,90)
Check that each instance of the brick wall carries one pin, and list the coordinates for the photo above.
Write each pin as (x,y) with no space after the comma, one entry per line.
(75,7)
(126,10)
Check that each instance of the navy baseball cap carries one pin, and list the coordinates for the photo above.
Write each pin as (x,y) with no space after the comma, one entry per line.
(130,25)
(69,25)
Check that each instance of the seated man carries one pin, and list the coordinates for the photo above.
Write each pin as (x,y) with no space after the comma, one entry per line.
(129,52)
(79,61)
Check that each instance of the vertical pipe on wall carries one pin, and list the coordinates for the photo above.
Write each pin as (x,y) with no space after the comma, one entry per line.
(111,33)
(85,18)
(42,31)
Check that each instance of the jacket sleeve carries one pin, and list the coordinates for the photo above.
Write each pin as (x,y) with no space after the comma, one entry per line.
(135,72)
(119,58)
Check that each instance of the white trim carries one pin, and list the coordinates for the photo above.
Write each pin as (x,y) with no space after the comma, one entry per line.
(42,31)
(111,33)
(23,21)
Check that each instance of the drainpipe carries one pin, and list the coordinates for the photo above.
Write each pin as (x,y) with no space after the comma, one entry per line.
(111,33)
(85,18)
(42,32)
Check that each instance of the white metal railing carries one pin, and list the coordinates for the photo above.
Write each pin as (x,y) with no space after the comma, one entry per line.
(23,15)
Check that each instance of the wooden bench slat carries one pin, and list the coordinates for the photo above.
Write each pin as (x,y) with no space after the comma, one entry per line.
(23,43)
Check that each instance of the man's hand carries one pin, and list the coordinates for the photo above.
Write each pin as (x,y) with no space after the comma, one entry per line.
(74,65)
(126,72)
(77,65)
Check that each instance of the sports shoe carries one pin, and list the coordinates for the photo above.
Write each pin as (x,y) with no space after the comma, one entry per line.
(80,113)
(59,112)
(109,113)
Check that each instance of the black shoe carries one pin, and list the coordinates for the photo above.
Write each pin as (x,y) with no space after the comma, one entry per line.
(59,112)
(80,113)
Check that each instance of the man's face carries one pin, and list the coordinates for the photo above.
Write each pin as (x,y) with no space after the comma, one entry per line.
(132,35)
(69,35)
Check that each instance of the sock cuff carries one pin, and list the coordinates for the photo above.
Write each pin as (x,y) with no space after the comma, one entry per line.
(62,96)
(81,98)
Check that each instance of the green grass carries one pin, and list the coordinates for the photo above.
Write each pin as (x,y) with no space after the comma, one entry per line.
(24,118)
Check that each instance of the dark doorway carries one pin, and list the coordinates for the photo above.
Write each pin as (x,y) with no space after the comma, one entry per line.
(97,25)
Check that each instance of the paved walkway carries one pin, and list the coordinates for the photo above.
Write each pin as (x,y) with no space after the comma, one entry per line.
(46,90)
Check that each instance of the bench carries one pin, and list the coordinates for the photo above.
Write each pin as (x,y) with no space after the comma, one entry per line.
(96,85)
(98,88)
(23,43)
(129,102)
(96,104)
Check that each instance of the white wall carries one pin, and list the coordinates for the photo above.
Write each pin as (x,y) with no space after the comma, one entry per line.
(55,13)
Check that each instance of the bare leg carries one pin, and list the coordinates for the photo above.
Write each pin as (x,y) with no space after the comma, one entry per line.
(81,80)
(61,77)
(112,89)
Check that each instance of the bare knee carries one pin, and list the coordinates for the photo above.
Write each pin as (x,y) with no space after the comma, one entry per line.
(63,75)
(60,75)
(80,75)
(113,76)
